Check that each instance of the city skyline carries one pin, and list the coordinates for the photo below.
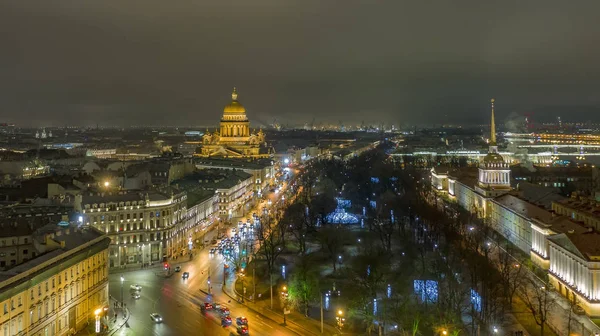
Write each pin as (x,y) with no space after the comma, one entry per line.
(128,64)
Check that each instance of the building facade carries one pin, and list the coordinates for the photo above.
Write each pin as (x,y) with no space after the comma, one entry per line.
(59,292)
(144,227)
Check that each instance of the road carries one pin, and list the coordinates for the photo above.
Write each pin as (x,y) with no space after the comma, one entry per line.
(178,300)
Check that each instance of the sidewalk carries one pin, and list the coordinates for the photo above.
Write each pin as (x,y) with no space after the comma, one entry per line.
(108,324)
(295,322)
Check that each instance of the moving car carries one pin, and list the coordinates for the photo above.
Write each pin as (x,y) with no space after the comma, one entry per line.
(226,320)
(136,287)
(241,320)
(208,306)
(217,305)
(185,275)
(212,251)
(242,330)
(156,318)
(135,296)
(178,269)
(224,311)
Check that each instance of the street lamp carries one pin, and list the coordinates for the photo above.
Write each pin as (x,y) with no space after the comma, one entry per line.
(340,319)
(122,280)
(97,313)
(444,332)
(495,330)
(284,296)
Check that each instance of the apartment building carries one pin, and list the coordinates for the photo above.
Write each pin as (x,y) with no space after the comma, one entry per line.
(57,292)
(144,226)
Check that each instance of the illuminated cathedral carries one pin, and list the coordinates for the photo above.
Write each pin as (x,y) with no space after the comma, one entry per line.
(234,139)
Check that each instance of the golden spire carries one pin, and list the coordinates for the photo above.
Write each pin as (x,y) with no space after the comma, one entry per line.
(234,94)
(493,126)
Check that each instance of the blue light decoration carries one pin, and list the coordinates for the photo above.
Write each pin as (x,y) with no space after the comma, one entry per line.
(374,179)
(283,271)
(374,306)
(364,211)
(63,223)
(340,216)
(327,302)
(476,300)
(362,223)
(368,270)
(343,203)
(427,290)
(389,291)
(373,204)
(392,216)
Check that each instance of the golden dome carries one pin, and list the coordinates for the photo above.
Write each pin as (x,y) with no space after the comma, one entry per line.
(234,106)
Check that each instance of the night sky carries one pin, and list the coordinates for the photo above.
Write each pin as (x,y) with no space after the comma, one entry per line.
(148,62)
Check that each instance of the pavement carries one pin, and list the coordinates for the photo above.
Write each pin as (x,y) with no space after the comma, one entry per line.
(108,324)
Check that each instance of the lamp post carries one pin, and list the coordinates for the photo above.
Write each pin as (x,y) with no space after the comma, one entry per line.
(284,295)
(122,280)
(340,319)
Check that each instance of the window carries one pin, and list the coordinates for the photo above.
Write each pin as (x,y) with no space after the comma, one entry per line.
(25,241)
(5,308)
(39,290)
(52,283)
(25,251)
(46,286)
(19,301)
(31,294)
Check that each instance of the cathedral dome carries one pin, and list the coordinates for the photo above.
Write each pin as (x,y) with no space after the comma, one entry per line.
(234,106)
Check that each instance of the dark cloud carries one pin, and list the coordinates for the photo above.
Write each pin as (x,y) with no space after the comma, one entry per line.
(158,62)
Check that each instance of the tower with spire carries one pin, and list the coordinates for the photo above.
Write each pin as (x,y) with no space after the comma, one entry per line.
(494,172)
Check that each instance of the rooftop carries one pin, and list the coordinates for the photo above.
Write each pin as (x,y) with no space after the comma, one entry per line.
(234,163)
(67,241)
(589,207)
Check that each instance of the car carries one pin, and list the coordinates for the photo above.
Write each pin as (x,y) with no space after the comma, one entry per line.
(156,318)
(185,275)
(208,306)
(178,269)
(233,230)
(226,320)
(241,320)
(212,251)
(242,330)
(217,305)
(135,296)
(224,311)
(136,287)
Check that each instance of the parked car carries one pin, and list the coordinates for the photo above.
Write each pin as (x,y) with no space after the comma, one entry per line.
(135,296)
(156,318)
(185,275)
(178,269)
(241,320)
(136,287)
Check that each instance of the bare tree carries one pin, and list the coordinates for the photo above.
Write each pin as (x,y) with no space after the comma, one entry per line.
(538,300)
(332,240)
